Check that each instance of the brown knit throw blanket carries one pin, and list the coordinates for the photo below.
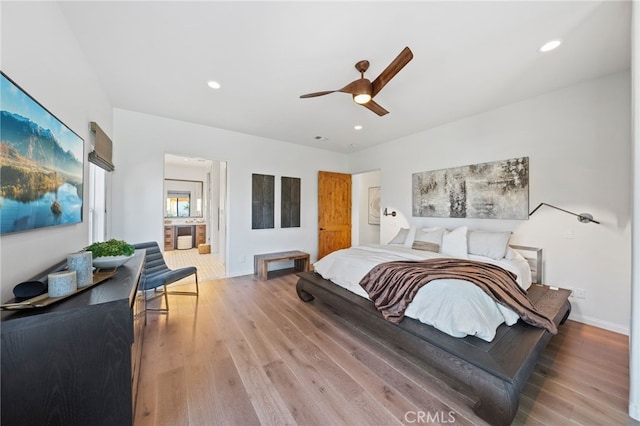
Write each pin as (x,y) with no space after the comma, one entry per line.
(392,286)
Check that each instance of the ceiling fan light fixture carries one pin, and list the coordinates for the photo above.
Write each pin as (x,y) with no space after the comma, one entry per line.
(362,98)
(361,91)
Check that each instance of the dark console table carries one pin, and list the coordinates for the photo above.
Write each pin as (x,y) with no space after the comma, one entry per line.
(75,362)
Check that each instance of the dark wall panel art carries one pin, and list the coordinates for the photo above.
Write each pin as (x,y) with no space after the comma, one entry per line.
(495,190)
(262,201)
(290,202)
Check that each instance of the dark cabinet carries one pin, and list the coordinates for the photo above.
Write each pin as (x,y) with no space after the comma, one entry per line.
(75,362)
(172,232)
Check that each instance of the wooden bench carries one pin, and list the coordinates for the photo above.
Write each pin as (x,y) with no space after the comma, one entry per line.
(261,261)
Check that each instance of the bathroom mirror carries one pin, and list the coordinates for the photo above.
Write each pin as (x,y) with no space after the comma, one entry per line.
(183,198)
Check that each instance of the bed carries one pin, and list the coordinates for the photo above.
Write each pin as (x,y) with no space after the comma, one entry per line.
(490,370)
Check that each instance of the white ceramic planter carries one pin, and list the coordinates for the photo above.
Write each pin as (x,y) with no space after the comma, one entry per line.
(110,262)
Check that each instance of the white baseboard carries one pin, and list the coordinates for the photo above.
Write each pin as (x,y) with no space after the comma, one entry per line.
(239,274)
(616,328)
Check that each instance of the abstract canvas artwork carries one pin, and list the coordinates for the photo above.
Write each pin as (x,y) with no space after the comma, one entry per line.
(374,206)
(495,190)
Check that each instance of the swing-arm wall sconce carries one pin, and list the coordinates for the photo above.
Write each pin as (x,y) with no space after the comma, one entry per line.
(582,217)
(388,213)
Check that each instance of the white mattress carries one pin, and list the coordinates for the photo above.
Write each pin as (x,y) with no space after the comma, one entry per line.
(455,307)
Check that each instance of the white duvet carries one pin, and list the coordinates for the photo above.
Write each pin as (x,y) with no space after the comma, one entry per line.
(456,307)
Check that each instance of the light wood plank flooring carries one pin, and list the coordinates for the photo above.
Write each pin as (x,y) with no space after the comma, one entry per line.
(248,352)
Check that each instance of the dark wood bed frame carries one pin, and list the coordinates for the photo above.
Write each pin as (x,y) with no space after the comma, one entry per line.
(492,374)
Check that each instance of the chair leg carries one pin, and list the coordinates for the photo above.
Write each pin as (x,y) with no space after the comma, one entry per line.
(188,293)
(144,295)
(166,297)
(163,293)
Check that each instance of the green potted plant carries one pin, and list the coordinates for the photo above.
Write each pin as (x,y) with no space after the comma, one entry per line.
(110,254)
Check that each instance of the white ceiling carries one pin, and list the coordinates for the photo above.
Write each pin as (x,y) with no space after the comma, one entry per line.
(191,162)
(469,57)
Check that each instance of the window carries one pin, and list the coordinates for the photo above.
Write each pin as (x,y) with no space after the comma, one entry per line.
(178,204)
(183,198)
(97,204)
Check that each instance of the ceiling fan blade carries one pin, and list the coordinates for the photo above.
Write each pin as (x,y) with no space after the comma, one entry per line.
(373,106)
(392,69)
(356,87)
(313,95)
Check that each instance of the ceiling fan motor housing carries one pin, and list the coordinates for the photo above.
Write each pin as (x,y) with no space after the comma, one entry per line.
(362,91)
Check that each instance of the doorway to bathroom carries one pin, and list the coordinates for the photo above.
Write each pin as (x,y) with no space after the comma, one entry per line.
(194,206)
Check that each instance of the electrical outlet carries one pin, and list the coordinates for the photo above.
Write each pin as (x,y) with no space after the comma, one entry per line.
(243,259)
(577,293)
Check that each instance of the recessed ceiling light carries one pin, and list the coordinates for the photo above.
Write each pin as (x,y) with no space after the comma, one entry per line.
(357,127)
(213,84)
(321,138)
(550,45)
(354,145)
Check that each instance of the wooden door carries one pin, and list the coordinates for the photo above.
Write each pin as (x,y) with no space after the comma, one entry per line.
(334,212)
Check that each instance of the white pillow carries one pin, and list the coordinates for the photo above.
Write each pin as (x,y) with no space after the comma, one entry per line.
(454,243)
(488,244)
(511,254)
(410,237)
(428,240)
(404,237)
(400,237)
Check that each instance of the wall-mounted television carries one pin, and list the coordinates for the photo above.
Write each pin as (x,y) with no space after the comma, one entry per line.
(41,164)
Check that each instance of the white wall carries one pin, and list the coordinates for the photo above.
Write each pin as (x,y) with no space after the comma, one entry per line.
(634,343)
(578,143)
(141,141)
(42,56)
(363,232)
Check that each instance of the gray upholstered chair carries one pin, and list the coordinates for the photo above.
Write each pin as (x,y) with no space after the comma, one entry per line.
(157,275)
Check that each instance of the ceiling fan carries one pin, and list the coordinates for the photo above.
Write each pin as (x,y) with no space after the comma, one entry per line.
(363,90)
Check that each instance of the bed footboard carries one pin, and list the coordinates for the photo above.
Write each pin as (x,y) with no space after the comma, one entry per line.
(491,373)
(302,294)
